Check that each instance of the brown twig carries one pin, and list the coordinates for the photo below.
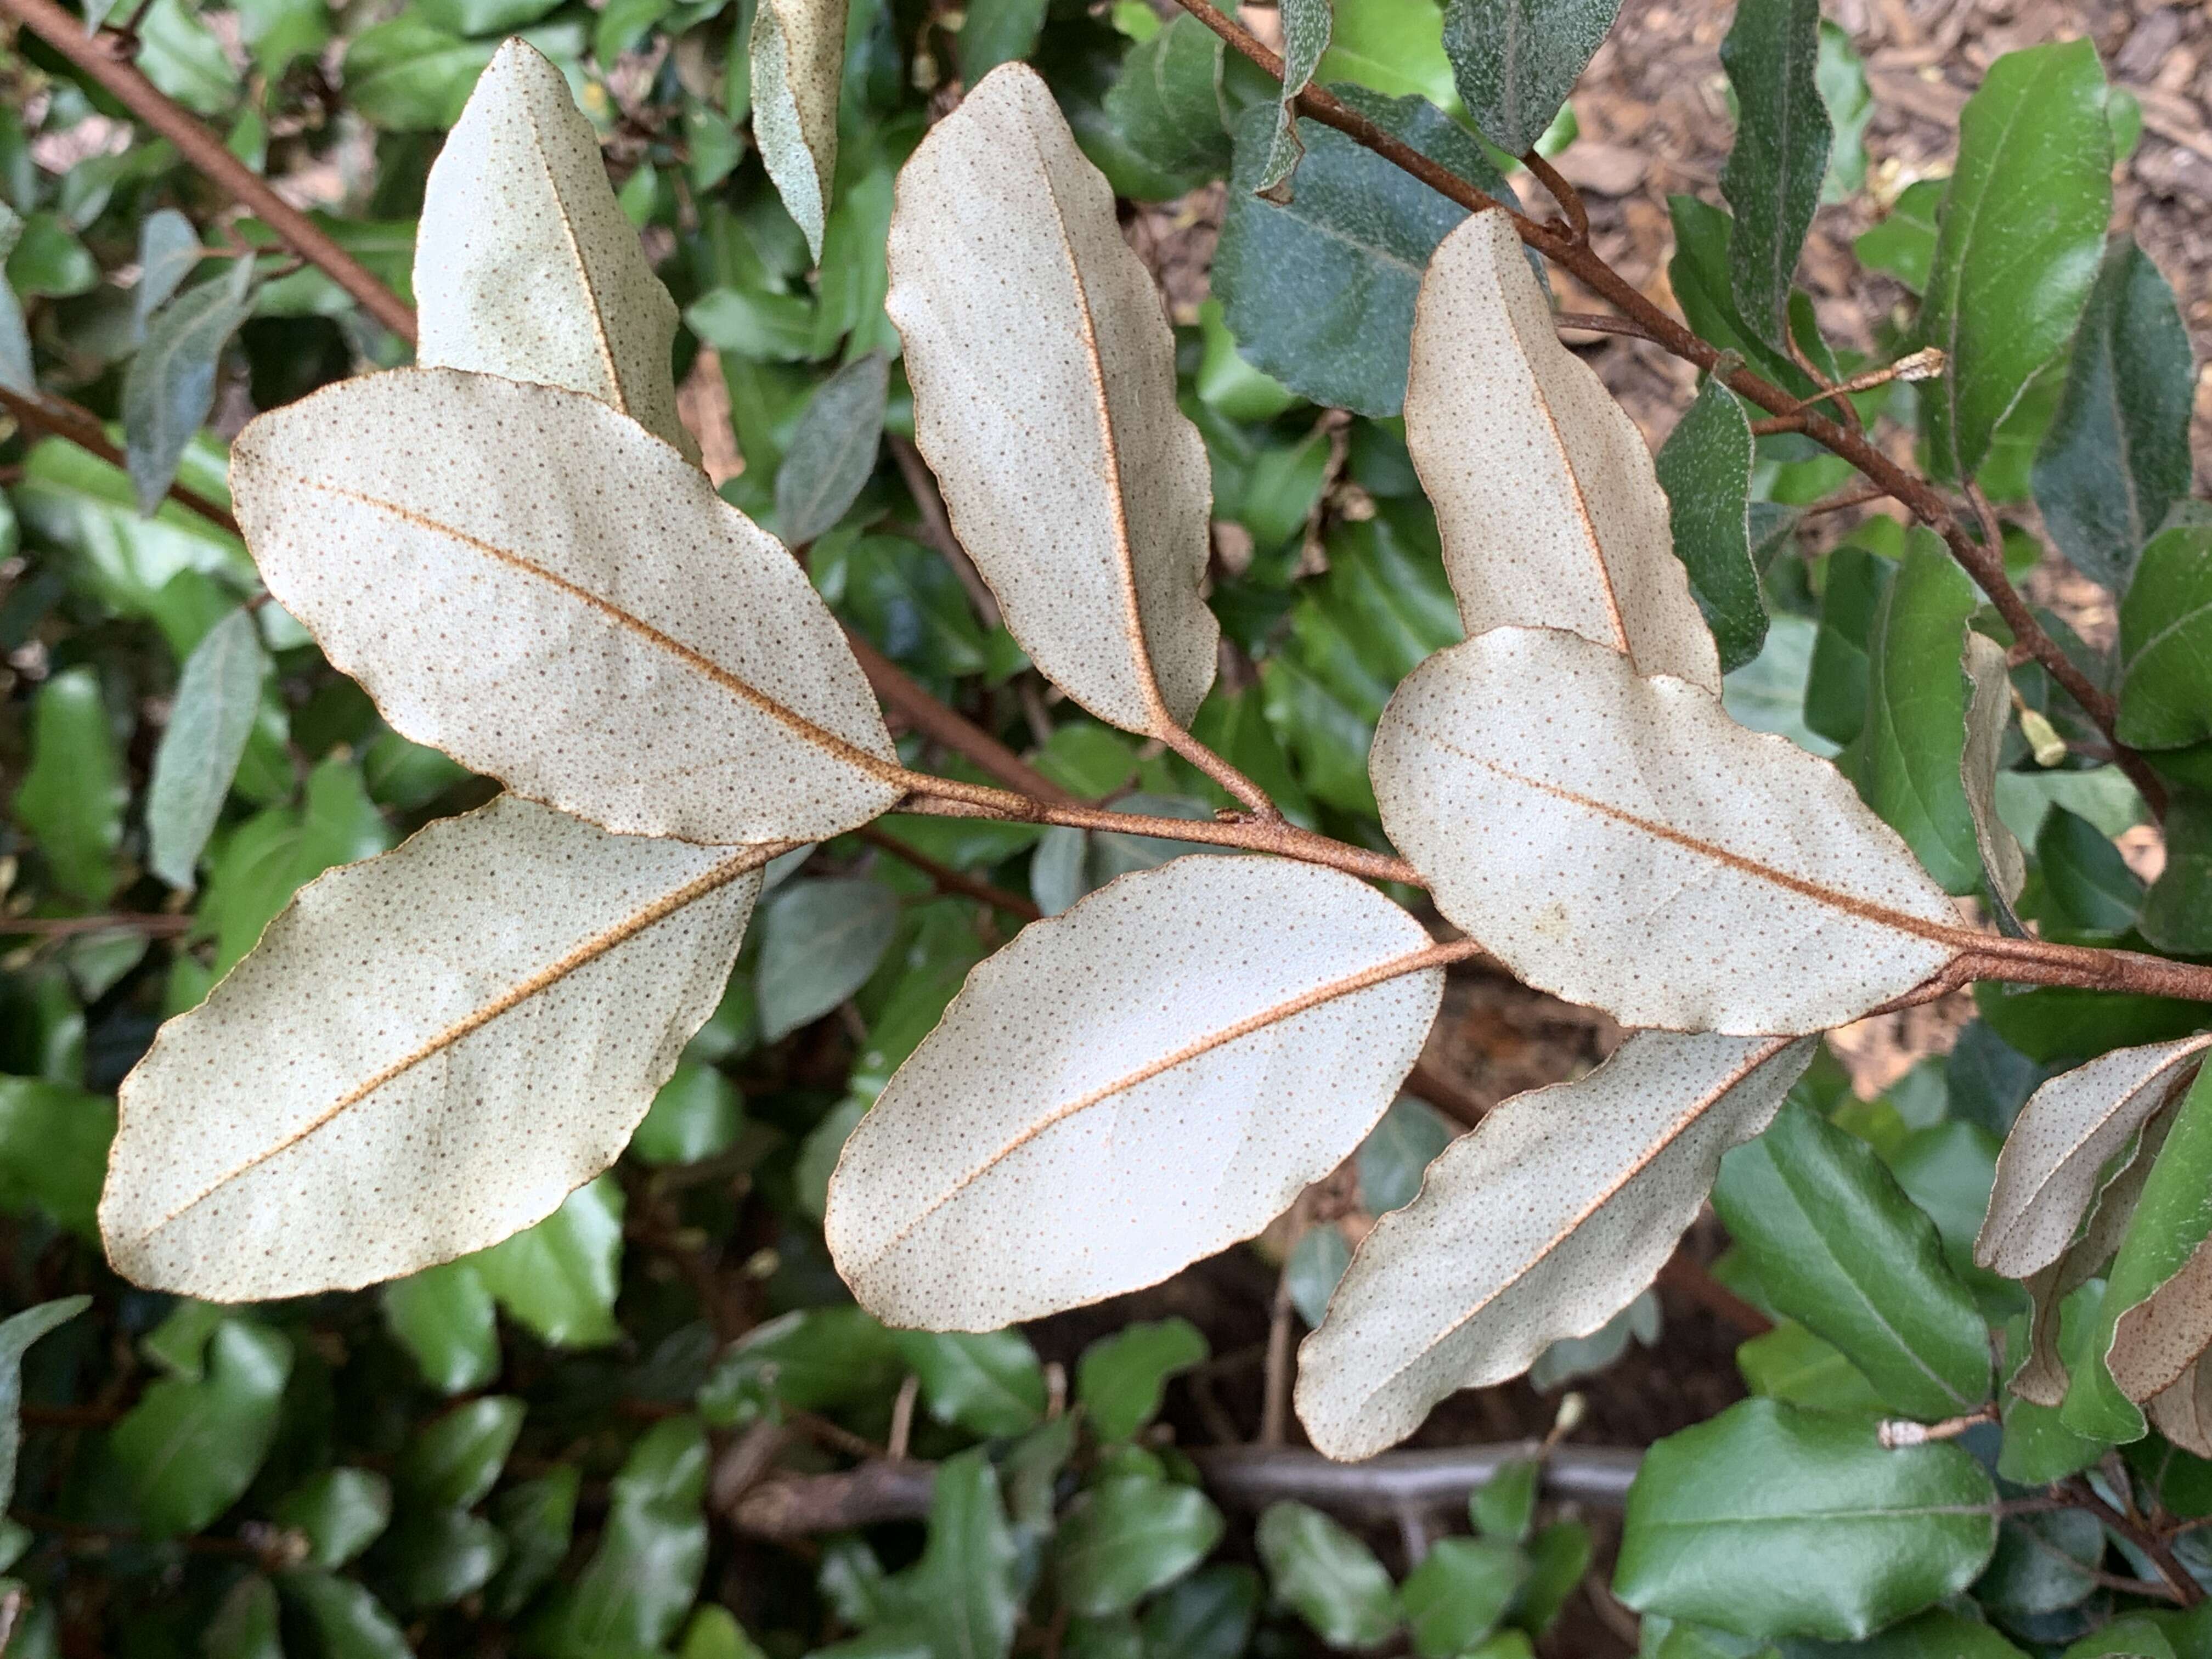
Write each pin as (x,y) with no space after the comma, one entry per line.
(1446,1093)
(79,426)
(152,922)
(934,720)
(937,528)
(946,879)
(2184,1587)
(1560,191)
(1596,322)
(124,82)
(1848,498)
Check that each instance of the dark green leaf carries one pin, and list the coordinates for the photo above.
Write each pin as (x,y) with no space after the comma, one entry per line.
(169,388)
(2087,881)
(996,31)
(1558,1556)
(833,450)
(444,1317)
(409,75)
(633,1592)
(1459,1592)
(433,1558)
(1908,754)
(54,1149)
(1327,1576)
(1516,61)
(1723,1517)
(989,1385)
(17,372)
(245,1625)
(776,328)
(1701,274)
(1705,466)
(697,1114)
(1319,294)
(452,1463)
(1904,244)
(2017,241)
(72,798)
(1844,89)
(816,1360)
(2116,457)
(1128,1536)
(188,1450)
(560,1277)
(967,1593)
(2043,1563)
(17,1333)
(260,864)
(217,702)
(1208,1616)
(1504,1506)
(820,939)
(2176,912)
(1772,180)
(1306,27)
(1121,1379)
(351,1623)
(49,261)
(1169,105)
(1839,1249)
(536,1519)
(2165,642)
(342,1511)
(1397,1153)
(169,251)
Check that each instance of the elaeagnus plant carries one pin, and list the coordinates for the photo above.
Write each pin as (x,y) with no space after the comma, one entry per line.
(511,544)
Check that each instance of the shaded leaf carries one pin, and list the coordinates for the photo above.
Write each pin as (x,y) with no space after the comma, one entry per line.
(17,1333)
(1705,466)
(1772,180)
(989,1385)
(454,1462)
(169,387)
(560,1276)
(968,1592)
(1327,1576)
(1458,1593)
(188,1450)
(169,251)
(1306,27)
(633,1592)
(820,940)
(2165,642)
(342,1511)
(73,793)
(1121,1379)
(217,702)
(833,450)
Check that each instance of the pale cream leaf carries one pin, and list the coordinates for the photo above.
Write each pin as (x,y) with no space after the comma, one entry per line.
(1989,712)
(797,66)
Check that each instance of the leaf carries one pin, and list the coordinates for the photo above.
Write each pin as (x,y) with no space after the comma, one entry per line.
(245,1625)
(1516,61)
(525,266)
(1208,1616)
(989,1384)
(218,700)
(169,251)
(819,942)
(1705,466)
(454,1462)
(1458,1593)
(188,1450)
(1772,178)
(1843,85)
(996,31)
(970,1575)
(797,66)
(1128,1536)
(1546,496)
(1701,274)
(537,1519)
(1911,750)
(1837,1247)
(2071,1127)
(2182,1411)
(1642,851)
(1171,109)
(17,1333)
(73,793)
(1307,25)
(433,1558)
(1121,1379)
(271,856)
(342,1511)
(472,585)
(1393,1159)
(560,1276)
(54,1149)
(1043,375)
(169,387)
(814,1358)
(351,1622)
(1327,1576)
(2166,634)
(633,1592)
(1320,293)
(233,1134)
(1604,1174)
(2116,456)
(1989,713)
(2017,241)
(696,1114)
(1504,1506)
(1314,1269)
(833,450)
(949,1208)
(1722,1515)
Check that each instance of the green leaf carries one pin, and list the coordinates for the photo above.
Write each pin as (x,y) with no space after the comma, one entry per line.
(1723,1517)
(641,1580)
(1773,176)
(245,1624)
(456,1461)
(2043,1564)
(1394,47)
(1908,754)
(1837,1247)
(409,75)
(1844,89)
(1904,244)
(1397,1153)
(2116,455)
(169,387)
(776,328)
(905,597)
(2176,912)
(17,1333)
(2087,883)
(1459,1592)
(815,1359)
(2135,1636)
(996,31)
(537,1518)
(2165,642)
(1127,1537)
(1516,61)
(217,702)
(989,1385)
(261,864)
(2171,1227)
(1327,1577)
(48,261)
(1504,1506)
(73,794)
(342,1511)
(697,1114)
(181,55)
(53,1151)
(1306,27)
(187,1451)
(1207,1615)
(833,450)
(819,941)
(433,1558)
(1320,293)
(17,372)
(481,16)
(1170,108)
(351,1623)
(1558,1556)
(2017,241)
(714,1633)
(968,1592)
(444,1316)
(1315,1268)
(1121,1379)
(1705,466)
(280,31)
(1701,273)
(169,251)
(559,1278)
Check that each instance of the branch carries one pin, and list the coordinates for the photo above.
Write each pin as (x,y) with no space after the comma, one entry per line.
(950,880)
(79,426)
(2184,1587)
(1559,243)
(96,55)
